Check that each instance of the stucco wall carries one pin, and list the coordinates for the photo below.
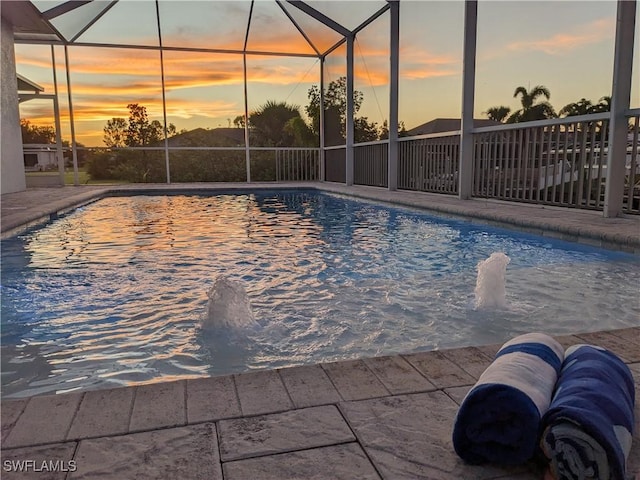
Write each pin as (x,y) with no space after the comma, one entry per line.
(12,161)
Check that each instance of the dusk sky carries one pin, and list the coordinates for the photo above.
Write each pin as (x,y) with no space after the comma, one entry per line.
(566,46)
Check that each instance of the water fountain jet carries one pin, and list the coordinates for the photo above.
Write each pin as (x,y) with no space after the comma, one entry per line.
(228,305)
(490,288)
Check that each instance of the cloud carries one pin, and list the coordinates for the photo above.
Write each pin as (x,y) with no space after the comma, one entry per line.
(203,87)
(565,42)
(418,64)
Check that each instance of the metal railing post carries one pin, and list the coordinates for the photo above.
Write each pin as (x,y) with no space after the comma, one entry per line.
(349,155)
(620,98)
(392,159)
(468,90)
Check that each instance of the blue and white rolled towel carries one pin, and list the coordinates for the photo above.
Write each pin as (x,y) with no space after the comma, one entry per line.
(499,419)
(588,428)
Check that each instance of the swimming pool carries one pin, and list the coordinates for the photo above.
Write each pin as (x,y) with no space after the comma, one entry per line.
(115,293)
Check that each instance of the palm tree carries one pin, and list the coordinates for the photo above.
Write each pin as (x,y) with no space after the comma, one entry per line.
(603,105)
(584,107)
(530,109)
(581,107)
(498,114)
(268,124)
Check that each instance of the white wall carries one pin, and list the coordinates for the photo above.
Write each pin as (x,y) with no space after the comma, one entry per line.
(12,161)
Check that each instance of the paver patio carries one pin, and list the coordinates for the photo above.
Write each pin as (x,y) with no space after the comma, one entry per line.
(372,418)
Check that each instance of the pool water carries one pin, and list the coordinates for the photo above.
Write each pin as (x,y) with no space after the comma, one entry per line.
(115,293)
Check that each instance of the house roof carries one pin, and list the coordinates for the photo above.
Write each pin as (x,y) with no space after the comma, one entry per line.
(439,125)
(208,137)
(26,85)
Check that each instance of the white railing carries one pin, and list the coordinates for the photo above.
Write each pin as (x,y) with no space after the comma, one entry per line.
(631,198)
(429,163)
(334,163)
(558,162)
(297,164)
(370,161)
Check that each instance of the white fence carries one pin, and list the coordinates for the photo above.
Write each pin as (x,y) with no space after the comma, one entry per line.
(297,164)
(556,162)
(429,163)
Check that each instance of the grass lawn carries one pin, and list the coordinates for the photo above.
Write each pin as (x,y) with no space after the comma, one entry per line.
(83,177)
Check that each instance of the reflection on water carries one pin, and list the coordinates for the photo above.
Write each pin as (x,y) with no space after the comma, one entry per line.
(116,293)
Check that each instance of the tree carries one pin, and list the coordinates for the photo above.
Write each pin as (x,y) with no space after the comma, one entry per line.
(115,133)
(133,166)
(530,109)
(268,122)
(239,121)
(603,105)
(36,134)
(335,99)
(581,107)
(365,131)
(301,133)
(137,131)
(498,114)
(335,105)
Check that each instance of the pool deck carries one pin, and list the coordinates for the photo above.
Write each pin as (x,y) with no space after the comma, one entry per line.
(374,418)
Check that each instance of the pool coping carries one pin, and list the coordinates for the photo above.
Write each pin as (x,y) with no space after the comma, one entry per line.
(23,210)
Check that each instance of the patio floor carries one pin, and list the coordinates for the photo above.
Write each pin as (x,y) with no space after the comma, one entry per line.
(384,417)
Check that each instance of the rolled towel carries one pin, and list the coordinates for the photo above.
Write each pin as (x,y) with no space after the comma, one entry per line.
(588,428)
(499,419)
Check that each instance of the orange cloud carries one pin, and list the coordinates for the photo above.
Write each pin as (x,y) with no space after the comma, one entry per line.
(417,64)
(202,88)
(565,42)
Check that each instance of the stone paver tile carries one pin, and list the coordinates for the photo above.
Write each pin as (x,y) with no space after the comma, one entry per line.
(458,393)
(471,359)
(568,340)
(212,399)
(159,405)
(490,350)
(354,380)
(441,371)
(102,413)
(628,351)
(339,462)
(631,333)
(282,432)
(262,392)
(45,419)
(189,452)
(408,437)
(309,385)
(44,462)
(9,413)
(398,375)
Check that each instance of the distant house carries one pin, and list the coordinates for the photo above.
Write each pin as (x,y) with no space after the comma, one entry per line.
(215,137)
(440,125)
(39,157)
